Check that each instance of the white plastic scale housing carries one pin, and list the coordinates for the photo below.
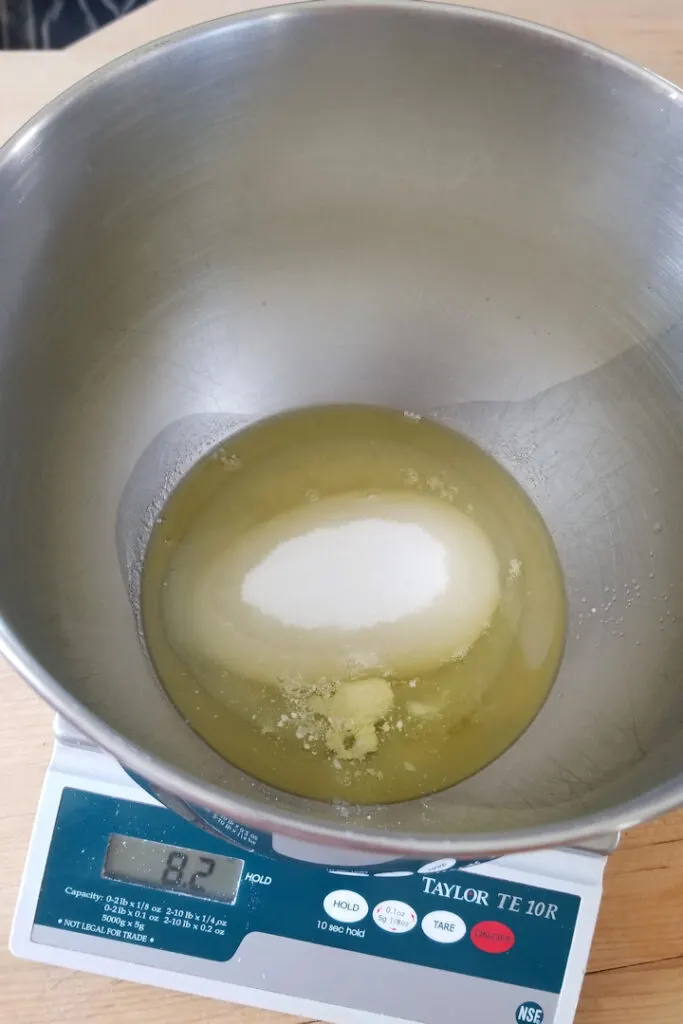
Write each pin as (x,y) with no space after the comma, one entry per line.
(312,976)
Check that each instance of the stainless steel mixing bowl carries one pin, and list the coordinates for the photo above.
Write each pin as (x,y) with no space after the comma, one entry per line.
(420,206)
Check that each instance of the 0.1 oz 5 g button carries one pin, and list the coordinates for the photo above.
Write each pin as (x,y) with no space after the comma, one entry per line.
(394,916)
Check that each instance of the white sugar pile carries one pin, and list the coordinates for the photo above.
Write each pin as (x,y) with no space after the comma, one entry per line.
(350,576)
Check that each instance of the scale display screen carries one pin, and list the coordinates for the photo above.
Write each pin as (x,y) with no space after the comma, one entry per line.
(175,868)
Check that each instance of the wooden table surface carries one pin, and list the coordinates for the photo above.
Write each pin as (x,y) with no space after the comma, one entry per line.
(636,968)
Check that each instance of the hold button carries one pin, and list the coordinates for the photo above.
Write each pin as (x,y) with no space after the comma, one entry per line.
(345,905)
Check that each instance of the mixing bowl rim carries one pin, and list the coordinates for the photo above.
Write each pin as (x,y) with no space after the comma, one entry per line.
(659,800)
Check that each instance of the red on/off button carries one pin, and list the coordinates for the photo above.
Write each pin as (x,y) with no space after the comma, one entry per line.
(492,937)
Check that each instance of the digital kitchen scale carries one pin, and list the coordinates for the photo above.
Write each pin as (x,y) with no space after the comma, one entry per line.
(117,884)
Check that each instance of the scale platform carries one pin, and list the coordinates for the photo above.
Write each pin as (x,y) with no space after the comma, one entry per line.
(118,885)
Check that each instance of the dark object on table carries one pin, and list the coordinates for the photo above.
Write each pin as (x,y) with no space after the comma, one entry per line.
(53,24)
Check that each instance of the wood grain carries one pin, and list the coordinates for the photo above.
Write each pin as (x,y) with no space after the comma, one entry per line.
(636,969)
(646,994)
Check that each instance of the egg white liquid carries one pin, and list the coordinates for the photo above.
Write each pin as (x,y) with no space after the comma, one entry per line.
(349,603)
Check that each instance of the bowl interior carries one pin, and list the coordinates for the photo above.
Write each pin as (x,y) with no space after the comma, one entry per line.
(405,205)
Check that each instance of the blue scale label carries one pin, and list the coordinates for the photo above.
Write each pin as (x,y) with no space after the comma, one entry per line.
(132,873)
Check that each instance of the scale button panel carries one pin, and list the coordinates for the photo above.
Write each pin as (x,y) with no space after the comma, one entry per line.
(444,926)
(394,916)
(346,906)
(139,876)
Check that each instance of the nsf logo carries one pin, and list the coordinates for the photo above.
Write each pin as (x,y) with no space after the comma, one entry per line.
(529,1013)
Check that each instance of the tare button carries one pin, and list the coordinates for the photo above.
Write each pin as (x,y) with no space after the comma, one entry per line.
(443,926)
(345,905)
(394,916)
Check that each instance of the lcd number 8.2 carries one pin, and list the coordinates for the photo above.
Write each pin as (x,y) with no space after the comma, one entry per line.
(176,869)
